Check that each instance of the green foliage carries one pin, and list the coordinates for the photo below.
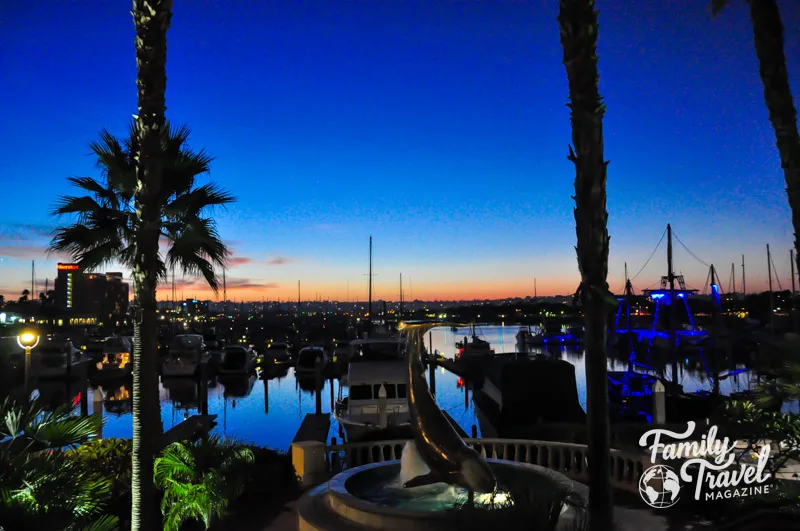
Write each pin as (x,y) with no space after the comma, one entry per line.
(200,479)
(111,458)
(749,423)
(106,220)
(42,488)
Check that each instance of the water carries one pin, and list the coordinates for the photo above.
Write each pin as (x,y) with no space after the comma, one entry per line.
(268,413)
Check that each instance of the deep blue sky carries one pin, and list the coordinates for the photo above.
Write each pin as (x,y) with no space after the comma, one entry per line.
(438,127)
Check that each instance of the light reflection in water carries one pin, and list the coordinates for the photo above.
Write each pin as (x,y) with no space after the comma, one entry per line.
(269,413)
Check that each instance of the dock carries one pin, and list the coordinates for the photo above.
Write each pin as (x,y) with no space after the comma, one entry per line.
(190,429)
(314,428)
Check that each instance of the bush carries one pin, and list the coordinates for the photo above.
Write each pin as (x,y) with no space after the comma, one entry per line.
(111,458)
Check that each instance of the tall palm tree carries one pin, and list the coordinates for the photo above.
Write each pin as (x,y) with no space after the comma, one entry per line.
(151,18)
(768,37)
(578,22)
(108,223)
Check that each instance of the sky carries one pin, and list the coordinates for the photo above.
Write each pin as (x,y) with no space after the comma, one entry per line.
(440,128)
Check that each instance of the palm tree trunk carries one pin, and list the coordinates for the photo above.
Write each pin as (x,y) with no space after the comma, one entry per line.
(768,37)
(578,22)
(151,19)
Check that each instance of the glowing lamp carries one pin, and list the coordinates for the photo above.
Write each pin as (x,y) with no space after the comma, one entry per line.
(27,340)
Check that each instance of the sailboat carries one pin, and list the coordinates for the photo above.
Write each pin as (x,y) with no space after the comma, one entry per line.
(473,347)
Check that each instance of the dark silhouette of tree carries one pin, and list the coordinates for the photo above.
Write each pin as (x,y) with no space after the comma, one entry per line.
(578,22)
(108,225)
(768,39)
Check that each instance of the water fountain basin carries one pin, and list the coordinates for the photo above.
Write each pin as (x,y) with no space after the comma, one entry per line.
(370,497)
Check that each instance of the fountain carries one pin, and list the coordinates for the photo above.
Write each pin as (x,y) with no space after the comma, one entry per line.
(440,483)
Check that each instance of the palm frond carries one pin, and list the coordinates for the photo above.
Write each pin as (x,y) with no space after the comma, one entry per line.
(198,200)
(104,523)
(718,5)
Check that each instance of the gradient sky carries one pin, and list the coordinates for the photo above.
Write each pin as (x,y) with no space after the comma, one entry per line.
(438,127)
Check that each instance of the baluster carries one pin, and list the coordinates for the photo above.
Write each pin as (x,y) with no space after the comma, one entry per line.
(494,450)
(482,451)
(392,455)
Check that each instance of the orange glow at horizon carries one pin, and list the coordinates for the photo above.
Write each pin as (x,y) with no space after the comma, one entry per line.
(426,291)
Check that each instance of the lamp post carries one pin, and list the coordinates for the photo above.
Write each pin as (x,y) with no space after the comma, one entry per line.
(27,340)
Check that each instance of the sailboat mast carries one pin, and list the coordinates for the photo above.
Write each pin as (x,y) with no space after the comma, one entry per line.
(33,280)
(744,285)
(370,279)
(224,290)
(672,324)
(771,302)
(791,263)
(535,294)
(401,295)
(733,277)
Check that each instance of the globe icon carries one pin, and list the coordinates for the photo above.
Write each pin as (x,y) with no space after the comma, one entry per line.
(659,487)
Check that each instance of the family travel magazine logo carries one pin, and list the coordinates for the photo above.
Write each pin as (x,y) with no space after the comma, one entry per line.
(712,460)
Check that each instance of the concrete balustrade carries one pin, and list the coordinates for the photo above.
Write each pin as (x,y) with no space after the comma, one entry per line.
(316,462)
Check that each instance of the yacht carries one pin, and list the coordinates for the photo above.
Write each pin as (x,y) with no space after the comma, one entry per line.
(359,412)
(555,333)
(237,359)
(311,360)
(117,358)
(54,358)
(187,353)
(473,348)
(377,349)
(276,353)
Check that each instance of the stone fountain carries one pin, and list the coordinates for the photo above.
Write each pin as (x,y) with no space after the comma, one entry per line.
(441,483)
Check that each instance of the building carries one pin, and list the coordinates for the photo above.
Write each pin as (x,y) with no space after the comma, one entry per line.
(104,295)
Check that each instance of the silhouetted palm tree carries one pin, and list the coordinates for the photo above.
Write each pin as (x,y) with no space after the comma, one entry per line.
(768,38)
(578,22)
(108,227)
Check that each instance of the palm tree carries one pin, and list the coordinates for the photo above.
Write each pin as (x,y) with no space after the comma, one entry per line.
(578,22)
(108,226)
(768,37)
(200,479)
(151,18)
(41,487)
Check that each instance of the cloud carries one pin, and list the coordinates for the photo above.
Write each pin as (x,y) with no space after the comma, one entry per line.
(281,260)
(29,252)
(246,283)
(24,231)
(239,260)
(200,283)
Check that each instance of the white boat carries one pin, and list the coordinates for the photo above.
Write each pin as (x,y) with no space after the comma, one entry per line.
(117,358)
(311,360)
(359,412)
(186,353)
(377,349)
(54,358)
(237,359)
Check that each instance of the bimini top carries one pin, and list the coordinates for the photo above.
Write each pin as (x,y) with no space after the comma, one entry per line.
(376,372)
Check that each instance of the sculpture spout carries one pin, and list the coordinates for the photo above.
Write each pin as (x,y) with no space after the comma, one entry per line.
(449,458)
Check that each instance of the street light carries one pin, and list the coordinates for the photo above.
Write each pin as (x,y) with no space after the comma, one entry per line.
(27,340)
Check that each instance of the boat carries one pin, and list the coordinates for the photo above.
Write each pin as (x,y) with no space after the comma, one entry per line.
(359,412)
(186,354)
(54,358)
(117,400)
(237,359)
(311,360)
(522,395)
(276,353)
(386,348)
(473,349)
(555,333)
(117,358)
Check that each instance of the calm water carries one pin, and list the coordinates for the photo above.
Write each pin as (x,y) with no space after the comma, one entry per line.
(269,412)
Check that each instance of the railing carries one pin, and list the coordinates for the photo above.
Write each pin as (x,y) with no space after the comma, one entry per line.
(566,458)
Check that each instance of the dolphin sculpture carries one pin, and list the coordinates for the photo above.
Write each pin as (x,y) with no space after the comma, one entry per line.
(448,457)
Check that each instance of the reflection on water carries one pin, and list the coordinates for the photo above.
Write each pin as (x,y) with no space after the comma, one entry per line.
(269,412)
